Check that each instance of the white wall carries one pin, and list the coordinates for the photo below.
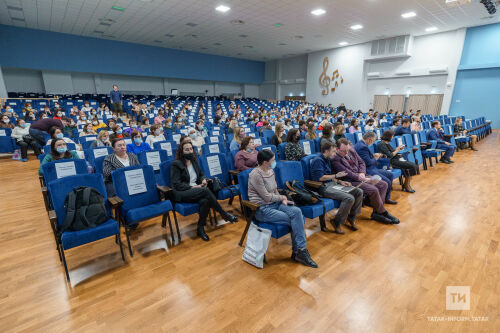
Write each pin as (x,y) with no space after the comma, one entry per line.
(251,90)
(84,83)
(350,63)
(57,82)
(23,80)
(3,89)
(283,75)
(429,51)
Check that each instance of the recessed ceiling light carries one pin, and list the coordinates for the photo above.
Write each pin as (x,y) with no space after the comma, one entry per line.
(356,27)
(278,25)
(430,29)
(318,12)
(343,43)
(408,15)
(222,8)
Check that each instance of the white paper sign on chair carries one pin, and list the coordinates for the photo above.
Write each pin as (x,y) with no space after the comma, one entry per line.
(135,181)
(65,169)
(214,167)
(153,159)
(307,148)
(168,147)
(214,149)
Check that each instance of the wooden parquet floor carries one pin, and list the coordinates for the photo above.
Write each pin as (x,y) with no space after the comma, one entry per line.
(378,279)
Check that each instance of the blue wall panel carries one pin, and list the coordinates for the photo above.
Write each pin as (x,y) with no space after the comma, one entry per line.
(477,85)
(39,49)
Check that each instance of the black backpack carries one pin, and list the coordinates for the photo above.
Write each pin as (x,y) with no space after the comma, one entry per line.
(300,195)
(85,208)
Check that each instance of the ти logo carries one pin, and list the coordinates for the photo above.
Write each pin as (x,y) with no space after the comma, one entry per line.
(457,297)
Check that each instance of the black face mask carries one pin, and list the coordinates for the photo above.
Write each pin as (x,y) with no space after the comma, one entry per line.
(189,156)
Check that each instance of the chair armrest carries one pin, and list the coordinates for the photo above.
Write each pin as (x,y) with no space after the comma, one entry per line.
(115,201)
(252,205)
(447,135)
(234,172)
(53,217)
(313,184)
(42,181)
(164,189)
(45,191)
(415,149)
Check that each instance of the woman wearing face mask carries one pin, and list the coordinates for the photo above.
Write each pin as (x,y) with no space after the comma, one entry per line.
(56,133)
(246,158)
(86,107)
(238,136)
(30,116)
(88,130)
(168,126)
(137,144)
(190,185)
(58,151)
(156,135)
(27,108)
(119,159)
(118,133)
(82,120)
(275,208)
(132,127)
(74,111)
(96,124)
(159,119)
(5,122)
(293,150)
(58,115)
(102,140)
(21,134)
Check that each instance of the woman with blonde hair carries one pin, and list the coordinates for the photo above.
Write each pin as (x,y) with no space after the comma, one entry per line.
(339,132)
(279,135)
(311,132)
(239,134)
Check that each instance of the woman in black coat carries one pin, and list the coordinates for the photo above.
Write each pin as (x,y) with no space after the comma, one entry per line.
(408,168)
(190,185)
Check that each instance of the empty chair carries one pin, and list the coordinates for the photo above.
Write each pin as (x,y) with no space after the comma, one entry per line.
(92,153)
(154,158)
(136,187)
(212,148)
(68,239)
(169,146)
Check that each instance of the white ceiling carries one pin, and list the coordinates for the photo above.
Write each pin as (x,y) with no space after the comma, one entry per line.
(149,21)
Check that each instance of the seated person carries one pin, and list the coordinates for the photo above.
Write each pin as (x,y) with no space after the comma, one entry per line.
(137,145)
(311,131)
(5,122)
(58,151)
(132,127)
(118,133)
(327,135)
(370,125)
(265,126)
(398,161)
(39,127)
(246,158)
(458,130)
(293,150)
(415,125)
(96,124)
(190,185)
(87,130)
(288,124)
(339,132)
(404,128)
(156,135)
(279,135)
(349,161)
(102,140)
(371,161)
(70,128)
(198,134)
(21,134)
(350,203)
(238,136)
(159,119)
(111,124)
(396,122)
(436,133)
(56,133)
(275,208)
(118,159)
(354,128)
(168,126)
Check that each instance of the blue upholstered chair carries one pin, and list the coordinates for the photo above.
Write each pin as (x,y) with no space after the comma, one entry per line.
(154,158)
(66,240)
(143,205)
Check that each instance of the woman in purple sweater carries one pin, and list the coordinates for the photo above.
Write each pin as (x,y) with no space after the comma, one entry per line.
(246,158)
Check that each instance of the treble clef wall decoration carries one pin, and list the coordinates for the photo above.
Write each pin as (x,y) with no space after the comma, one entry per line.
(324,80)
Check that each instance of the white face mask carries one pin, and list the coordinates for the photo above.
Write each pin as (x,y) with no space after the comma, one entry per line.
(7,121)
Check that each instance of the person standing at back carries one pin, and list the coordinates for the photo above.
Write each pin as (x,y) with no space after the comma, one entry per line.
(117,100)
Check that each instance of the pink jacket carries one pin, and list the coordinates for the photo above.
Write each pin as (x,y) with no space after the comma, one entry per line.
(245,160)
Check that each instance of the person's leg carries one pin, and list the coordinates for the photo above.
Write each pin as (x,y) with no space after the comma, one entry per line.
(271,214)
(204,211)
(36,148)
(375,199)
(215,205)
(346,203)
(388,178)
(24,149)
(358,203)
(294,214)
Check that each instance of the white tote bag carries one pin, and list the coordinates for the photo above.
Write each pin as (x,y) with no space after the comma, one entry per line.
(256,246)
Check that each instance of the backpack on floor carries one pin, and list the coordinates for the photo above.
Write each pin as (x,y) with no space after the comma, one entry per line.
(85,208)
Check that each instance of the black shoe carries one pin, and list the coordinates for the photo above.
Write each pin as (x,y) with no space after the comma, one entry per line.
(380,218)
(445,161)
(302,256)
(229,217)
(394,219)
(450,161)
(408,190)
(391,202)
(293,256)
(201,232)
(474,149)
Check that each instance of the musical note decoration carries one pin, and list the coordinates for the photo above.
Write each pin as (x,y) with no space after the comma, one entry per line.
(325,80)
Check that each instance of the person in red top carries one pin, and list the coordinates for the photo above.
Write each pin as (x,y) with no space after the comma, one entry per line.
(246,158)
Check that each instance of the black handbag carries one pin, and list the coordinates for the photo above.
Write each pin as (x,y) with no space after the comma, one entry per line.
(215,185)
(297,193)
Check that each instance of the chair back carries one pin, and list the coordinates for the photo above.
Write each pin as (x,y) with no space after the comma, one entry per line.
(92,153)
(243,182)
(212,148)
(63,168)
(136,186)
(169,146)
(307,146)
(288,171)
(271,148)
(165,172)
(98,162)
(305,162)
(153,158)
(215,165)
(281,150)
